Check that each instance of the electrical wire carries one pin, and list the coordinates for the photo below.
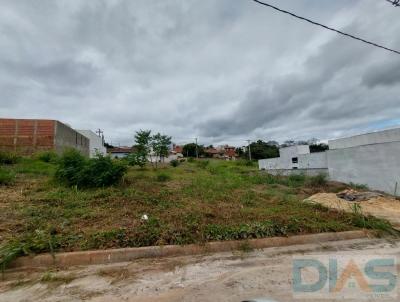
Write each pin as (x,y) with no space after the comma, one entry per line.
(394,2)
(326,27)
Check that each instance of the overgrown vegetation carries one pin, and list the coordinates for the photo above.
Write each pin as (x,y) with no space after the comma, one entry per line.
(8,158)
(75,170)
(47,156)
(194,202)
(6,177)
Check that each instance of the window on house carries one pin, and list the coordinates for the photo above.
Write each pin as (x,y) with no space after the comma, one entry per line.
(295,168)
(295,160)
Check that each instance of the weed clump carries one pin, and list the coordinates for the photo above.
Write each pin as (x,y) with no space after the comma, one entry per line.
(47,156)
(6,177)
(76,170)
(161,177)
(174,163)
(202,163)
(8,158)
(319,180)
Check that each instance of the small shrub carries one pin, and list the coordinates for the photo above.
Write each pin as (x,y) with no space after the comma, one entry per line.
(8,158)
(70,167)
(6,177)
(101,171)
(174,163)
(163,177)
(47,156)
(75,170)
(190,160)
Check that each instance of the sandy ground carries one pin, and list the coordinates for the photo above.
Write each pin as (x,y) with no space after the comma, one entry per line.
(219,277)
(384,207)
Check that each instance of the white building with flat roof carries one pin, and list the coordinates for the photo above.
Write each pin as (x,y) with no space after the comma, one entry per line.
(96,143)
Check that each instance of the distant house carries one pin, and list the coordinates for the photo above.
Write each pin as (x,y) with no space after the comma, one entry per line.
(96,143)
(120,152)
(230,153)
(223,152)
(28,136)
(177,149)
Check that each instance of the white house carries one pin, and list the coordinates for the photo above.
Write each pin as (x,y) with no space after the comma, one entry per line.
(371,159)
(96,143)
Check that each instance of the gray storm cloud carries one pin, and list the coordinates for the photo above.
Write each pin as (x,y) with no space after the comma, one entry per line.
(222,70)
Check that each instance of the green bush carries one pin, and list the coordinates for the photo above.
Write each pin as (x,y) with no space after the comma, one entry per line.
(8,158)
(6,177)
(163,177)
(136,159)
(47,156)
(101,171)
(174,163)
(190,160)
(70,167)
(75,170)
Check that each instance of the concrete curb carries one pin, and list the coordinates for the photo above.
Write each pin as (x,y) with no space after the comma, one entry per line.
(130,254)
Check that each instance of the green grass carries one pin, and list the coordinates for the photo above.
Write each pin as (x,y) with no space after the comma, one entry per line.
(6,177)
(195,202)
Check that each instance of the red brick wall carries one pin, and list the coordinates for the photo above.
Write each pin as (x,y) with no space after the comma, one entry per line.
(26,136)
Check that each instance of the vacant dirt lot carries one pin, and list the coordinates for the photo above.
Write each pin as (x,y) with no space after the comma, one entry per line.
(220,277)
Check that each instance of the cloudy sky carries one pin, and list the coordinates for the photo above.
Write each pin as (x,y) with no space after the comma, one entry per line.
(220,70)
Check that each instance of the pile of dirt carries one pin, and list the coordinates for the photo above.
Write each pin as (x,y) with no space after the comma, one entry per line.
(371,203)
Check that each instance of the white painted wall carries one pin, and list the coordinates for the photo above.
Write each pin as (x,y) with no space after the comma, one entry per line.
(95,143)
(376,165)
(385,136)
(313,161)
(285,160)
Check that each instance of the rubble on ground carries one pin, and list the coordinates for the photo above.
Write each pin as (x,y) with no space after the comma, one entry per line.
(370,203)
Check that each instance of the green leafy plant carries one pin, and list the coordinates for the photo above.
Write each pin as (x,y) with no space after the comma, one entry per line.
(75,170)
(136,159)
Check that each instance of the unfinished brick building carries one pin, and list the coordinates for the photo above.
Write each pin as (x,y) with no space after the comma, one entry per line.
(27,136)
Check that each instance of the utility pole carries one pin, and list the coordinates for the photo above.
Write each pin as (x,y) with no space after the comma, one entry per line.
(197,151)
(248,144)
(99,132)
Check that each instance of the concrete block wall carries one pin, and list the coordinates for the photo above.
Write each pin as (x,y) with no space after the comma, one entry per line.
(379,137)
(375,165)
(66,137)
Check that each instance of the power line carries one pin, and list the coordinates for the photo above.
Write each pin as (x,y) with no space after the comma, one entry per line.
(327,27)
(394,2)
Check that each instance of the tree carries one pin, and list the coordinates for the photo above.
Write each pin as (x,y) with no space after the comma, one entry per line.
(240,151)
(189,150)
(159,144)
(143,145)
(262,150)
(321,147)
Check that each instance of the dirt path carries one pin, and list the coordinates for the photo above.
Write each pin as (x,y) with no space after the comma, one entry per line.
(220,277)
